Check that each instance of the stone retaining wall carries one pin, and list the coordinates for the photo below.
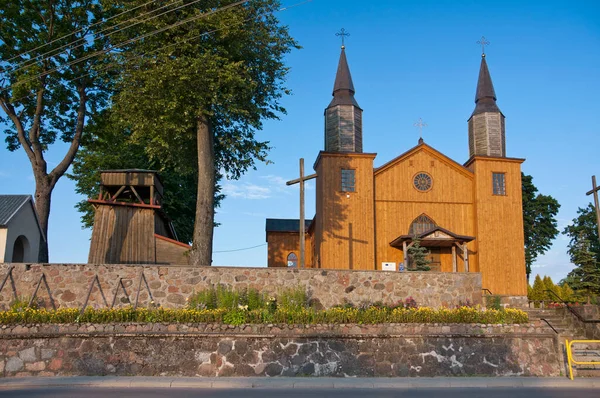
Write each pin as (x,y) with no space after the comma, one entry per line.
(278,350)
(171,285)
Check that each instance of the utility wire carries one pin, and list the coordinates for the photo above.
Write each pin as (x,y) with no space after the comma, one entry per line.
(82,41)
(80,30)
(239,250)
(133,40)
(164,47)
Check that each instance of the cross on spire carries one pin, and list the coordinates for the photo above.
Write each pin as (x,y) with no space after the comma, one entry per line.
(343,34)
(483,42)
(420,124)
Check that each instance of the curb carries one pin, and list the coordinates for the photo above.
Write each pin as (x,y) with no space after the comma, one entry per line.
(298,383)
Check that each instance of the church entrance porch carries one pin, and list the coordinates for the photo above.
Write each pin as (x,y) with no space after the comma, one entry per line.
(442,244)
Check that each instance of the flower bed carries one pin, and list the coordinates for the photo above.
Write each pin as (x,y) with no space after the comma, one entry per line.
(238,316)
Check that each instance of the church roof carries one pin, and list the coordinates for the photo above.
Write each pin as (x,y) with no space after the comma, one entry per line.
(285,225)
(423,146)
(485,95)
(343,88)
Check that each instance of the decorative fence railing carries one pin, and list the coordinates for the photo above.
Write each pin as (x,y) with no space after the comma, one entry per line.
(95,281)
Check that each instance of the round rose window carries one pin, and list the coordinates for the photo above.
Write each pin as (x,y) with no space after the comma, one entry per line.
(423,182)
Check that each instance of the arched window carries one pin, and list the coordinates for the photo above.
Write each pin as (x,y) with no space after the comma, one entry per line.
(20,248)
(292,260)
(421,224)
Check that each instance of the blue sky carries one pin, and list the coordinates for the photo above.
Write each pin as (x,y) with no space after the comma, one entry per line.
(409,59)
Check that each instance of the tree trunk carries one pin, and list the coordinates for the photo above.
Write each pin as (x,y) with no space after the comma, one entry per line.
(201,253)
(43,193)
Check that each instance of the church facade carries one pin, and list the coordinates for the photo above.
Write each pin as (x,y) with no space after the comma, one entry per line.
(468,215)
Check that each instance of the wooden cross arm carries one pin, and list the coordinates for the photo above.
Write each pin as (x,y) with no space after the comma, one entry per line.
(592,191)
(297,180)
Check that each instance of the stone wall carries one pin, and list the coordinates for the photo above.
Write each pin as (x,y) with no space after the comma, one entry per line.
(171,285)
(278,350)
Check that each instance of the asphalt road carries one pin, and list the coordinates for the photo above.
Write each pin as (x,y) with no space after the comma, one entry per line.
(95,392)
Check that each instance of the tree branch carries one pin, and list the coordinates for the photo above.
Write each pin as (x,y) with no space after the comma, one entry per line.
(10,111)
(62,167)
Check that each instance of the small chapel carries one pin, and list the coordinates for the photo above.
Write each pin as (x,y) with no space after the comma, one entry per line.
(467,215)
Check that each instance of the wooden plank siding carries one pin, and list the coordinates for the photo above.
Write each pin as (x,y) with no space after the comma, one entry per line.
(449,203)
(169,251)
(344,233)
(499,226)
(121,236)
(281,244)
(138,179)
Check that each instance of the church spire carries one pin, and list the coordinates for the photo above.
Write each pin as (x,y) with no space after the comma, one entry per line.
(486,124)
(343,116)
(485,96)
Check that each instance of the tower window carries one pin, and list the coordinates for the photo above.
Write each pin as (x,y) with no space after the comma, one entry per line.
(292,260)
(348,180)
(499,184)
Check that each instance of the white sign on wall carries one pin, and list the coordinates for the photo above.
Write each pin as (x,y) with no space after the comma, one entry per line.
(385,266)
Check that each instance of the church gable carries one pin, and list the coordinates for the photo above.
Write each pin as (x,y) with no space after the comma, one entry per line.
(423,175)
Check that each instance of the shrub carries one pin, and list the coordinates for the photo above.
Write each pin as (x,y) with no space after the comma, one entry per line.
(292,299)
(493,302)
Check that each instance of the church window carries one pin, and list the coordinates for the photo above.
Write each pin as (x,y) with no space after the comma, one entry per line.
(422,181)
(499,183)
(421,224)
(348,180)
(292,260)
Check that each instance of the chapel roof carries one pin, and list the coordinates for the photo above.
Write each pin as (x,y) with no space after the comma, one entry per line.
(285,225)
(10,205)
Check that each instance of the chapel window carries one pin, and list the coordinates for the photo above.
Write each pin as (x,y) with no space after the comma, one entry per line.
(421,224)
(499,184)
(292,260)
(348,180)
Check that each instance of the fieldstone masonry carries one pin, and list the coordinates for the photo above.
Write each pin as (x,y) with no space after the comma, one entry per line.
(278,350)
(171,285)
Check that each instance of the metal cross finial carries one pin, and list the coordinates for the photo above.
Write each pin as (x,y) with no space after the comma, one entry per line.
(420,124)
(343,33)
(483,42)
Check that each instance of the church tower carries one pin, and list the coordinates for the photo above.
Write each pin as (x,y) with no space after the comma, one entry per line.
(344,222)
(343,116)
(486,124)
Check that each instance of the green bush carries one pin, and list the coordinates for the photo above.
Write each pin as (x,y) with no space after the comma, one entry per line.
(292,299)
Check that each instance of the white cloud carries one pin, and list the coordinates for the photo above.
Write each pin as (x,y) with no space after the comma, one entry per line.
(246,190)
(4,174)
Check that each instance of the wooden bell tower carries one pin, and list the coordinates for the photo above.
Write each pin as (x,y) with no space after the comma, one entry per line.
(129,221)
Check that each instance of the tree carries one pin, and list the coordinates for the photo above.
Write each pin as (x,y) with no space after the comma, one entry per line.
(585,277)
(419,256)
(48,90)
(211,81)
(584,226)
(108,145)
(566,293)
(549,285)
(539,221)
(537,292)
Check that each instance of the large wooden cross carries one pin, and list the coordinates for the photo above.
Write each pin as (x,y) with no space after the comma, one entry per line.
(301,181)
(594,191)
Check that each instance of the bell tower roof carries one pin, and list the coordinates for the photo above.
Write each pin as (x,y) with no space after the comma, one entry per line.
(343,88)
(485,95)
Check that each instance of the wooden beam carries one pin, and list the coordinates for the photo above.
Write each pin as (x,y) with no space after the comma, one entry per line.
(454,265)
(151,194)
(136,194)
(118,192)
(466,257)
(297,180)
(302,234)
(404,251)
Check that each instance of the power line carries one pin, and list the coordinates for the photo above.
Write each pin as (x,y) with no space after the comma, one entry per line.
(80,30)
(133,40)
(239,250)
(67,46)
(163,47)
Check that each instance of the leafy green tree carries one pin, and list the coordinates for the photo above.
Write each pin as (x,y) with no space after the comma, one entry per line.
(47,93)
(585,277)
(566,293)
(549,285)
(419,256)
(212,81)
(539,221)
(584,226)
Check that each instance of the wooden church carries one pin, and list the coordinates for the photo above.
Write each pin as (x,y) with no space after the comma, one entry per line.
(468,215)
